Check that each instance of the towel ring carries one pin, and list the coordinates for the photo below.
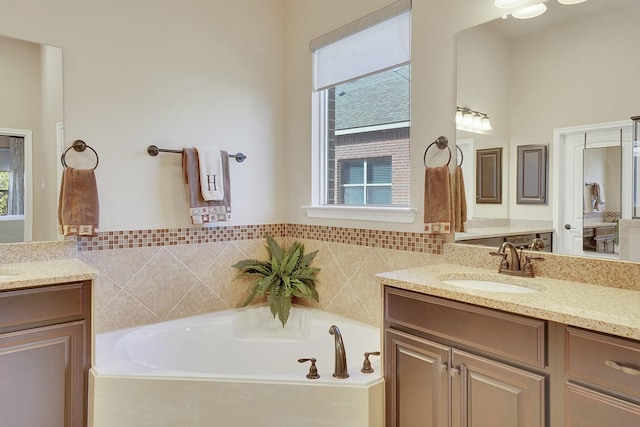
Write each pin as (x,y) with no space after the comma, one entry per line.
(461,155)
(78,145)
(442,142)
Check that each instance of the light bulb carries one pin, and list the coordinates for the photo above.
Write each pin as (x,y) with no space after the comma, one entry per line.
(507,4)
(530,11)
(486,123)
(467,118)
(477,121)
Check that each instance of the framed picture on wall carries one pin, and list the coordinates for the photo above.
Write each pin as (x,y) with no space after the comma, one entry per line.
(532,174)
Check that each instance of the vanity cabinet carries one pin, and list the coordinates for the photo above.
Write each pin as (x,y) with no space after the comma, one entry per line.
(45,356)
(450,363)
(603,380)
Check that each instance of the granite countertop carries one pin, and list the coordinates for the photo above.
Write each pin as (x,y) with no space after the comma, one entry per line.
(497,231)
(37,273)
(599,308)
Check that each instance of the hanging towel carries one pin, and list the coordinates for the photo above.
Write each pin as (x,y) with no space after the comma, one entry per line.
(587,202)
(211,173)
(597,196)
(460,197)
(78,209)
(205,211)
(437,200)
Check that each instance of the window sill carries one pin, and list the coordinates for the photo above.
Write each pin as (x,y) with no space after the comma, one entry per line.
(383,214)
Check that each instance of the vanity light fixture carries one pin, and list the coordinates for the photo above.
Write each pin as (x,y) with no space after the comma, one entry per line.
(571,1)
(507,4)
(530,11)
(471,120)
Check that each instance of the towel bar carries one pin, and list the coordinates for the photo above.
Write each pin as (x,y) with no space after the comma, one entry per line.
(154,150)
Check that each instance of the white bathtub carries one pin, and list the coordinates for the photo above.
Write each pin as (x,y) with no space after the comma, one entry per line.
(233,369)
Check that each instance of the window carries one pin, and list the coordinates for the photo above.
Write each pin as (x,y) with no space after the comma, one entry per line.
(365,181)
(363,92)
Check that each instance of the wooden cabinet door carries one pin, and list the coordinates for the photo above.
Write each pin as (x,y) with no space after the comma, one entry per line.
(42,377)
(489,393)
(416,381)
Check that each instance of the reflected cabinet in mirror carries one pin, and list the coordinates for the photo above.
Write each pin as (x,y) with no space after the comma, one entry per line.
(31,127)
(546,81)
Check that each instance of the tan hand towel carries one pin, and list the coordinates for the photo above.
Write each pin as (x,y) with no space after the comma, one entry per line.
(205,211)
(460,206)
(437,200)
(78,209)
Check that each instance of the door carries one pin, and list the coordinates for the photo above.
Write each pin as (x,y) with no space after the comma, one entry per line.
(42,380)
(489,393)
(416,381)
(573,194)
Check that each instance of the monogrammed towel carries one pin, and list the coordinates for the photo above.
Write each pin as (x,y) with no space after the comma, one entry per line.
(205,211)
(211,173)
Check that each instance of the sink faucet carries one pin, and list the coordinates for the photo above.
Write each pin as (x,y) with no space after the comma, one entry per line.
(515,267)
(340,366)
(537,244)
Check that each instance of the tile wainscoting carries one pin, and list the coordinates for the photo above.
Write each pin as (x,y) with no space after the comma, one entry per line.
(147,276)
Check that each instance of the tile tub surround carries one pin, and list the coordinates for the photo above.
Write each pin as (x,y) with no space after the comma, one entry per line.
(599,308)
(146,282)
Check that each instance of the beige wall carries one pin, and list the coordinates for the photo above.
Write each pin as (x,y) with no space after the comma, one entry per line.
(172,74)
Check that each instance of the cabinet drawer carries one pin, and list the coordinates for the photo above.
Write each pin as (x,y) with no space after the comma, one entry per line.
(589,408)
(608,361)
(28,308)
(516,337)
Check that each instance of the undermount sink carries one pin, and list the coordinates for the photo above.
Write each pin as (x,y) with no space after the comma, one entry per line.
(490,286)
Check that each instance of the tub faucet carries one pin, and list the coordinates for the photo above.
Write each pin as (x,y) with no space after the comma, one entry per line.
(340,366)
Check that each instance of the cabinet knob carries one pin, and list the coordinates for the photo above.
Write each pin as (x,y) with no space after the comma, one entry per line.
(443,367)
(454,372)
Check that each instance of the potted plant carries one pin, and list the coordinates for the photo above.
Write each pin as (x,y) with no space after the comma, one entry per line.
(286,274)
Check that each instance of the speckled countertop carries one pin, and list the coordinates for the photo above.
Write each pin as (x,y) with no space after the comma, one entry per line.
(37,273)
(599,308)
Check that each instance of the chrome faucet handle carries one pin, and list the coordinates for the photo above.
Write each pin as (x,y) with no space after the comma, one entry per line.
(313,370)
(366,365)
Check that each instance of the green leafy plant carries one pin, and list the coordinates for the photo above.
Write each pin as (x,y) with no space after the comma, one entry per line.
(285,275)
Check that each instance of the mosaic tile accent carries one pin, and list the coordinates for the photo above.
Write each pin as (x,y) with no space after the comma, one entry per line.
(404,241)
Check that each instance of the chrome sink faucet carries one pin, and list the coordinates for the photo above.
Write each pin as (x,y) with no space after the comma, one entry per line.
(340,365)
(514,267)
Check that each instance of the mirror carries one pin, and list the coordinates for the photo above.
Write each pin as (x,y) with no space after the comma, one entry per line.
(572,66)
(31,127)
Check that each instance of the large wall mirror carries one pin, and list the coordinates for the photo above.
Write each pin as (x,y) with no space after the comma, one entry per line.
(31,128)
(548,80)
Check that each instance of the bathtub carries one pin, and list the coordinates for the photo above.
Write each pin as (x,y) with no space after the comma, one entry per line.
(236,368)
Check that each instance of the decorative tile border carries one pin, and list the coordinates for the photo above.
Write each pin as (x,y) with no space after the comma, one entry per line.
(405,241)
